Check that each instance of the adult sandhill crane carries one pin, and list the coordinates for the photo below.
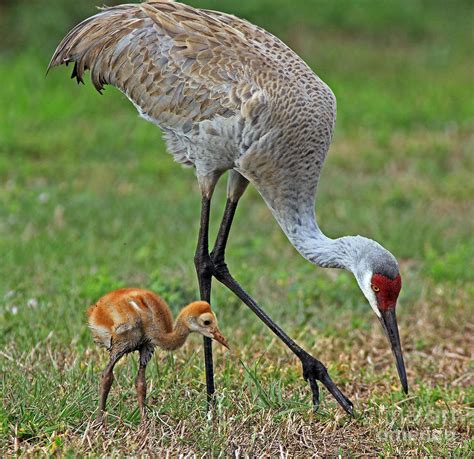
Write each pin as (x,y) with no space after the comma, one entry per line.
(230,96)
(133,319)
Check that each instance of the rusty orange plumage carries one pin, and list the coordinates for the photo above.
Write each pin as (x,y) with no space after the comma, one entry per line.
(134,319)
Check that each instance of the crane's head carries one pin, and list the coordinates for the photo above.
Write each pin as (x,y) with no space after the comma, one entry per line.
(199,318)
(379,278)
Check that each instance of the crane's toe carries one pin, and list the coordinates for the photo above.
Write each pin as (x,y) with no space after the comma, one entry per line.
(313,371)
(315,390)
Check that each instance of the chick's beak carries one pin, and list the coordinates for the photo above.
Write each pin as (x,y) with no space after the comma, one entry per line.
(217,335)
(388,320)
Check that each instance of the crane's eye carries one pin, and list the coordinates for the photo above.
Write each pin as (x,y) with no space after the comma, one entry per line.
(207,322)
(375,288)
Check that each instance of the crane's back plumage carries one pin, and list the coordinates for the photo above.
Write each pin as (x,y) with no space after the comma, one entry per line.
(227,94)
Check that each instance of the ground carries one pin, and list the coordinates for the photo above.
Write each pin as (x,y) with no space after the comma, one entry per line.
(90,201)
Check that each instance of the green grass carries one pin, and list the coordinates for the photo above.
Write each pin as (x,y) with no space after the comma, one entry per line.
(90,201)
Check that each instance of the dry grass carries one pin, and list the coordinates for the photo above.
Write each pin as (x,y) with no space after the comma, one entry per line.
(270,418)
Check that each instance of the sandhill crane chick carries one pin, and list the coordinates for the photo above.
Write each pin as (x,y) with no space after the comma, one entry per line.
(132,319)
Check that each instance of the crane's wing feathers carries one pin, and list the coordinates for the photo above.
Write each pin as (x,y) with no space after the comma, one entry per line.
(272,47)
(174,62)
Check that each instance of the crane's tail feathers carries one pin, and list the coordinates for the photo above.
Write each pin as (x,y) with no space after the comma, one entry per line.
(99,42)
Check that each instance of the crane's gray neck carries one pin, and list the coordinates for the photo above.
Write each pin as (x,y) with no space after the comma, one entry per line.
(298,221)
(292,204)
(315,246)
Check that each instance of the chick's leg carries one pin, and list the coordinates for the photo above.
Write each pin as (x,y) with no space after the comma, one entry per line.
(106,382)
(140,382)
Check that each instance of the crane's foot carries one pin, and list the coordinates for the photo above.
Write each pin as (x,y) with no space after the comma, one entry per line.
(313,371)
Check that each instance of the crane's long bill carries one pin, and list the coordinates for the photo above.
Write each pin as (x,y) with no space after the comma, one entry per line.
(389,324)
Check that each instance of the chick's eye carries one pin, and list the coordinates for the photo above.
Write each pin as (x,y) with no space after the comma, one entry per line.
(375,288)
(207,322)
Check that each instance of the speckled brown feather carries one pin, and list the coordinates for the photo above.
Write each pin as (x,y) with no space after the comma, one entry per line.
(165,56)
(180,64)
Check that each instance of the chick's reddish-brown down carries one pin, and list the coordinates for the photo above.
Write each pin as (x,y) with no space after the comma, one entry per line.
(127,309)
(130,316)
(133,319)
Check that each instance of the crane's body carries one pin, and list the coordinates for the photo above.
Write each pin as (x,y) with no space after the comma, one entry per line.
(134,319)
(228,95)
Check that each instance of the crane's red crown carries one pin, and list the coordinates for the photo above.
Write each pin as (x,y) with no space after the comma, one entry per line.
(386,290)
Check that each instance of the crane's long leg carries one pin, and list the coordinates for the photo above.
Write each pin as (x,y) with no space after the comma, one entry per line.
(313,369)
(236,187)
(204,270)
(202,259)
